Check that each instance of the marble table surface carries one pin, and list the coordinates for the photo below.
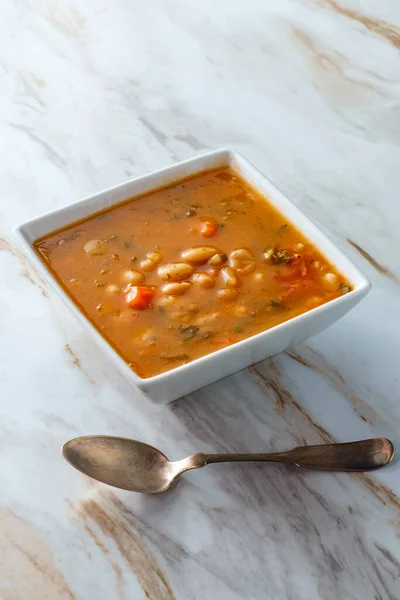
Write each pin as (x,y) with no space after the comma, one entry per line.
(96,92)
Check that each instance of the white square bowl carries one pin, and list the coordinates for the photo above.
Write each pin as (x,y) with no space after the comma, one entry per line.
(182,380)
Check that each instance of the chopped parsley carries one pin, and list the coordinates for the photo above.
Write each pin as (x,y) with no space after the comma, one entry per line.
(276,304)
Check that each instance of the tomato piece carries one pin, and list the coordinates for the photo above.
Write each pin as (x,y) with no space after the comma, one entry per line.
(299,290)
(293,292)
(290,292)
(208,227)
(294,270)
(139,296)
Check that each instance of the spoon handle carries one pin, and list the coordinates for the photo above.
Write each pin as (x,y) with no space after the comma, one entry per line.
(365,455)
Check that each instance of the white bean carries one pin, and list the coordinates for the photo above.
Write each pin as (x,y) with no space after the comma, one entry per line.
(113,289)
(166,301)
(218,259)
(94,248)
(132,276)
(242,261)
(331,281)
(151,261)
(205,280)
(148,337)
(198,255)
(313,302)
(241,310)
(229,277)
(206,318)
(176,289)
(258,277)
(175,271)
(227,295)
(180,315)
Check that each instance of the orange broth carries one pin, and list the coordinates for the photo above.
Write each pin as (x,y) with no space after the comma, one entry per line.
(188,269)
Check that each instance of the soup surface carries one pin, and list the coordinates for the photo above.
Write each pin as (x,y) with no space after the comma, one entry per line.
(187,270)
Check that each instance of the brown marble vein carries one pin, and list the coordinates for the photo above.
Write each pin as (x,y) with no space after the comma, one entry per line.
(27,565)
(334,68)
(389,32)
(105,514)
(70,22)
(320,365)
(26,269)
(374,263)
(77,362)
(286,406)
(289,409)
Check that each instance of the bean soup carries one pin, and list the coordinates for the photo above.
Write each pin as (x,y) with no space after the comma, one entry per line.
(188,269)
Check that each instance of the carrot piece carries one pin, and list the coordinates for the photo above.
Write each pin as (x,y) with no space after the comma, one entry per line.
(208,227)
(139,296)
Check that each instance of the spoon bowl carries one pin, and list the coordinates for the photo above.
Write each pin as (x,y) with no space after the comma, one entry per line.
(137,467)
(121,462)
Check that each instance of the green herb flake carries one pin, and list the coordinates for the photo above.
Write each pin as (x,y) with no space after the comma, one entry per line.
(238,329)
(276,304)
(282,257)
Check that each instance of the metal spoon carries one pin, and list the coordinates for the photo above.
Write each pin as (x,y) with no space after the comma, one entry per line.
(138,467)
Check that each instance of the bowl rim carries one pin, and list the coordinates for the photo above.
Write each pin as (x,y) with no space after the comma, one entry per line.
(227,157)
